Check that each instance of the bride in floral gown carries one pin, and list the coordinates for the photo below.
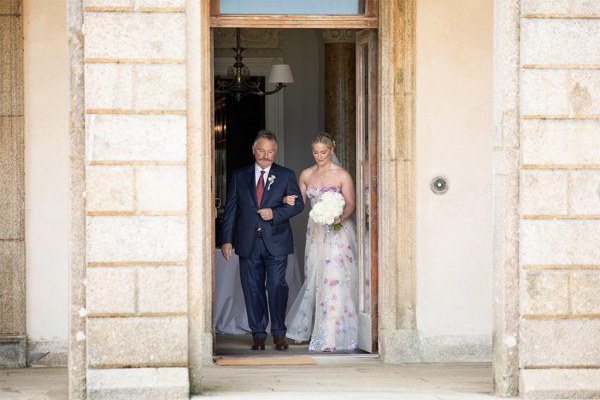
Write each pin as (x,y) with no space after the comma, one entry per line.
(325,310)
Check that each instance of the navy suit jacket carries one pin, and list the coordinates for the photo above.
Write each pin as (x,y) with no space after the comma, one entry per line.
(241,219)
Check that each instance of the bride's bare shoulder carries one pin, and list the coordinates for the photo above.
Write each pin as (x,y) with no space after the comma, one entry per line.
(341,171)
(308,171)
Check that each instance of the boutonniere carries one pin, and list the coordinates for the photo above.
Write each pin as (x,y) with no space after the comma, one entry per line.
(270,181)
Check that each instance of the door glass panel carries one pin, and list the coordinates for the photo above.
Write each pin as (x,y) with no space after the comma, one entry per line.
(366,188)
(293,7)
(366,254)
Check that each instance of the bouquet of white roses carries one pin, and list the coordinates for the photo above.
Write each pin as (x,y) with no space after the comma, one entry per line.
(328,209)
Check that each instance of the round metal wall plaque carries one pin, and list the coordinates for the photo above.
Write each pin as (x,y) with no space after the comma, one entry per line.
(439,185)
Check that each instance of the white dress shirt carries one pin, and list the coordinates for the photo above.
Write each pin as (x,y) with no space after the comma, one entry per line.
(257,170)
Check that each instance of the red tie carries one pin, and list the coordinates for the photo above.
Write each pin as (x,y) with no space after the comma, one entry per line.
(260,187)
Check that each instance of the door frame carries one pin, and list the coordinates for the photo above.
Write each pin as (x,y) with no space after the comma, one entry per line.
(396,313)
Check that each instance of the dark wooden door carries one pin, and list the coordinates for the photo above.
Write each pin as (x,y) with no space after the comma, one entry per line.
(366,176)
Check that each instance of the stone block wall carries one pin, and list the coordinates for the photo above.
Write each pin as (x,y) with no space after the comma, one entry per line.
(560,199)
(136,199)
(13,341)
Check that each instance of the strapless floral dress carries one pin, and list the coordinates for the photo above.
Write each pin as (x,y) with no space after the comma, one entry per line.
(324,310)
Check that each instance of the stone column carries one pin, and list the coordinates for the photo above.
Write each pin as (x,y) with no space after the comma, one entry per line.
(340,93)
(13,340)
(558,213)
(136,208)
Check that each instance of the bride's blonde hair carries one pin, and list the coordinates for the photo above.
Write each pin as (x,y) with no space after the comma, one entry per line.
(325,138)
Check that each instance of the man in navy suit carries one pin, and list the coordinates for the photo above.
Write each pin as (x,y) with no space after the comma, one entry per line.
(256,220)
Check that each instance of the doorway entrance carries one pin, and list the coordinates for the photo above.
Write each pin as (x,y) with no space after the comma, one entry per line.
(305,112)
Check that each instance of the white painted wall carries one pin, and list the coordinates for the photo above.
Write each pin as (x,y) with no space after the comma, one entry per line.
(46,168)
(454,132)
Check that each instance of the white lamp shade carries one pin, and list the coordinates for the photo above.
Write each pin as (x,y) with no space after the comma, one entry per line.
(280,73)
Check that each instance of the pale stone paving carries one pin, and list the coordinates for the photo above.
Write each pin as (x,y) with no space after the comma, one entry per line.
(332,378)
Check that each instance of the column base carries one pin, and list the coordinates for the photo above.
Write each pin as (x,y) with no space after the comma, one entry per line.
(138,383)
(13,351)
(560,383)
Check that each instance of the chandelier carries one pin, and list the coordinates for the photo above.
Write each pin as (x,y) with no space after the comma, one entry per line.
(238,83)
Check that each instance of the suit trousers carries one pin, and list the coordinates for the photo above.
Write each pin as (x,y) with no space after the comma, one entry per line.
(259,272)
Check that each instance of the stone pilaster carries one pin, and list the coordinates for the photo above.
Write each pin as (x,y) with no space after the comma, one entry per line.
(201,197)
(13,339)
(399,338)
(559,220)
(77,301)
(136,208)
(340,93)
(506,197)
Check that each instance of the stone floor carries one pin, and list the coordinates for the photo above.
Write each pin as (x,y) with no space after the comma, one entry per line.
(349,376)
(34,384)
(331,377)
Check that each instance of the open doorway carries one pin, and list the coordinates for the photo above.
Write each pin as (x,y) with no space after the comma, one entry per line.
(295,121)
